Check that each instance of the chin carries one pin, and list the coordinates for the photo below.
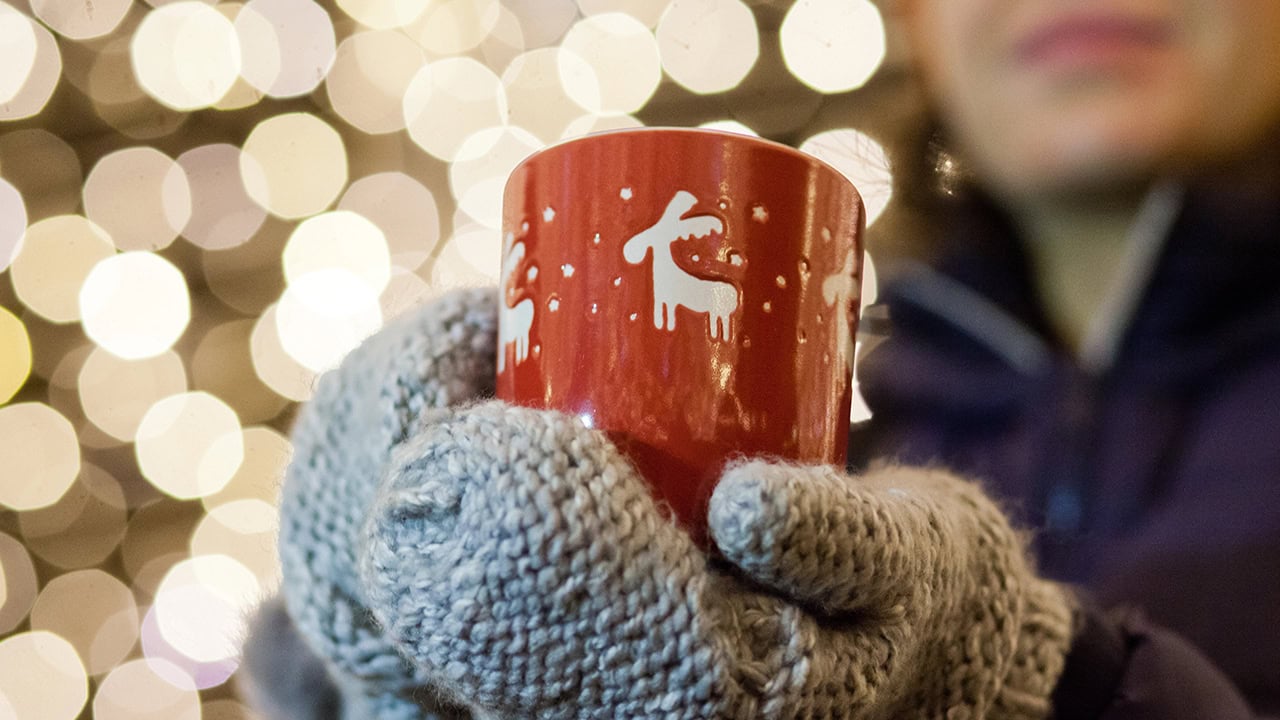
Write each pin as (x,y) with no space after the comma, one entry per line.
(1077,162)
(1065,178)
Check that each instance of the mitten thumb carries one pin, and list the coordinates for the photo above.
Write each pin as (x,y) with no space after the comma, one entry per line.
(834,542)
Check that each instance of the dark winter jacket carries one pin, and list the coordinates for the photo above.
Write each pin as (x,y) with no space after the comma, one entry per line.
(1152,480)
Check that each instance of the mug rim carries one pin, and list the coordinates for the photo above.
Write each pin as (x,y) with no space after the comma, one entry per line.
(752,140)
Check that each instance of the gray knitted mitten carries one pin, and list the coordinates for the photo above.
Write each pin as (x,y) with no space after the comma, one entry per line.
(441,354)
(517,559)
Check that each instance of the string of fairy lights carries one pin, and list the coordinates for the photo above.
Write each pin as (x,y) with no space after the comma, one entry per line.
(204,205)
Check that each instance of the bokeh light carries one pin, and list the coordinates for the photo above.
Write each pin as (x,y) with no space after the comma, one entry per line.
(84,527)
(276,367)
(324,314)
(190,445)
(222,213)
(156,539)
(186,55)
(450,99)
(543,22)
(537,98)
(370,75)
(142,690)
(176,666)
(242,94)
(42,455)
(708,46)
(13,223)
(120,99)
(15,355)
(591,123)
(80,20)
(622,63)
(406,291)
(294,165)
(202,604)
(245,531)
(20,585)
(449,27)
(115,393)
(140,197)
(340,241)
(403,209)
(479,172)
(57,256)
(266,454)
(833,45)
(249,277)
(135,305)
(223,367)
(287,46)
(383,14)
(504,41)
(472,257)
(861,159)
(18,48)
(110,80)
(94,612)
(646,11)
(729,126)
(31,97)
(41,676)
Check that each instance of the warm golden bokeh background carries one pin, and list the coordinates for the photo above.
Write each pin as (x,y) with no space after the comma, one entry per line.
(205,204)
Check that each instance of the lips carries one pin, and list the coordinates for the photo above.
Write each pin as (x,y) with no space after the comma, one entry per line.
(1088,39)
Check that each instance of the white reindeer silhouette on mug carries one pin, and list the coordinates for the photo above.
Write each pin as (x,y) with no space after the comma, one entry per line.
(673,286)
(515,321)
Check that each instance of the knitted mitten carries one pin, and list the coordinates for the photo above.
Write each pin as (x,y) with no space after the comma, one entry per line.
(440,354)
(520,562)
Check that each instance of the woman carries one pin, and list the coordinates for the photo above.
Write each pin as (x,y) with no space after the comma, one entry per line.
(479,560)
(1098,336)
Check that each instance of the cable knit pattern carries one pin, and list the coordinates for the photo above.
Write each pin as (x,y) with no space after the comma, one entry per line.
(452,559)
(521,562)
(441,354)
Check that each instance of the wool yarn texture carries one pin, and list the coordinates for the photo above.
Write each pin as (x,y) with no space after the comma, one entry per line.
(448,556)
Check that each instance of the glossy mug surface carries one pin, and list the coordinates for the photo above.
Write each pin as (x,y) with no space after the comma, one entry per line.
(692,293)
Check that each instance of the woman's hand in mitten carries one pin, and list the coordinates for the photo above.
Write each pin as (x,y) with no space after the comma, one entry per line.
(438,355)
(518,560)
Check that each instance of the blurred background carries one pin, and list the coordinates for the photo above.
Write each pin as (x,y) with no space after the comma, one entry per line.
(203,205)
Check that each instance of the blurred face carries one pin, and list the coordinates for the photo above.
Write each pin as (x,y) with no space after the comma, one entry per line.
(1051,97)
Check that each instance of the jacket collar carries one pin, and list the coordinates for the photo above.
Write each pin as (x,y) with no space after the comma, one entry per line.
(1204,288)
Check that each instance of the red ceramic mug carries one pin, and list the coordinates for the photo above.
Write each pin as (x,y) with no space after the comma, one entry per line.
(692,293)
